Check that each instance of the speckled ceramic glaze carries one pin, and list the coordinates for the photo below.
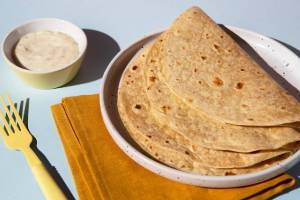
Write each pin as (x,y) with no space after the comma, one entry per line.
(276,58)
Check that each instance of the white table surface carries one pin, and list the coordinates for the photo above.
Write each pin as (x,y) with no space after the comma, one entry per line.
(116,24)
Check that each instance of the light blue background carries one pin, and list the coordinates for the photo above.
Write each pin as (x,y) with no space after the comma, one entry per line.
(125,21)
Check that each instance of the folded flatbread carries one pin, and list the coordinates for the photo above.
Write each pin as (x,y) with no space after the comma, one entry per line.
(209,71)
(170,147)
(206,131)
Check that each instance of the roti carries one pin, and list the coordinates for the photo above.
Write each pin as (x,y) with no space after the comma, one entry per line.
(208,132)
(167,145)
(209,71)
(180,101)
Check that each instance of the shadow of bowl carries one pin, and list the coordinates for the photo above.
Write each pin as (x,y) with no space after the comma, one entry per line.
(100,51)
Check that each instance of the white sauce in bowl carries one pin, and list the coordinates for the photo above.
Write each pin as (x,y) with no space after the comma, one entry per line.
(45,51)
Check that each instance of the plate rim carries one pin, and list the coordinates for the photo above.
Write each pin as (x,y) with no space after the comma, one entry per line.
(145,161)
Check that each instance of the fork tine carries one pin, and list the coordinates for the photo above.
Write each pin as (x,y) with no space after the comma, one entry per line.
(6,125)
(16,113)
(8,114)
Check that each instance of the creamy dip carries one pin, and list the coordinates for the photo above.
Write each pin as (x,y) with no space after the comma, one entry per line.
(46,51)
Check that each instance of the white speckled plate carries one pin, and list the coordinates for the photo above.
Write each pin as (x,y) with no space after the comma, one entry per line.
(276,58)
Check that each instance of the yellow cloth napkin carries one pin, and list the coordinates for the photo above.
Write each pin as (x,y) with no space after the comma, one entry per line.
(101,171)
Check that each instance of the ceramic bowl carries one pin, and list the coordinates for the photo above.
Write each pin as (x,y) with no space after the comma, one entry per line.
(273,52)
(45,79)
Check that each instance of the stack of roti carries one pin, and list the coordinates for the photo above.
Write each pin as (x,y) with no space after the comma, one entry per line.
(196,101)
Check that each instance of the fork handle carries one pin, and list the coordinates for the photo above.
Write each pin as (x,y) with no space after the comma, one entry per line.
(46,182)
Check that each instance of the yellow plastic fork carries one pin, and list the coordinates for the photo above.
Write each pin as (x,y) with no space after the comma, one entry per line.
(19,138)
